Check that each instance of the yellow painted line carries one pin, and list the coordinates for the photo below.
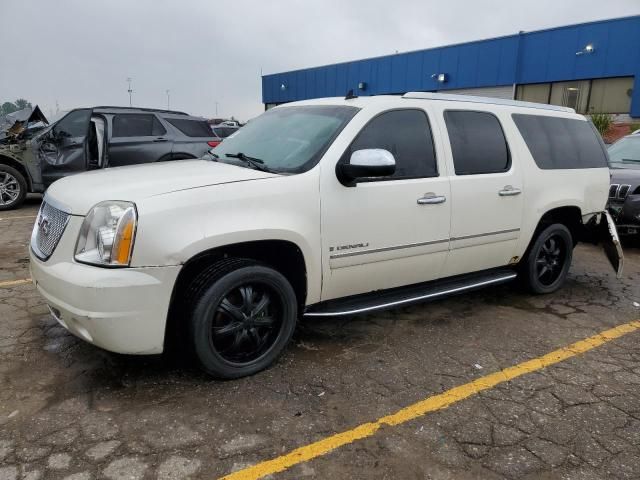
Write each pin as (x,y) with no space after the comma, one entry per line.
(13,218)
(13,283)
(431,404)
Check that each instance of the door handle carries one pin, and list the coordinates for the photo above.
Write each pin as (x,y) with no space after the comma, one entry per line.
(160,139)
(509,191)
(431,199)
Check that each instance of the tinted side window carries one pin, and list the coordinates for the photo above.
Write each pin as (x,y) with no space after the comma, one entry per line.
(74,124)
(407,135)
(477,142)
(557,143)
(224,132)
(191,128)
(137,125)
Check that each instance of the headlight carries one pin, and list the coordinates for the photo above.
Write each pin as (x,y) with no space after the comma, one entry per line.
(107,235)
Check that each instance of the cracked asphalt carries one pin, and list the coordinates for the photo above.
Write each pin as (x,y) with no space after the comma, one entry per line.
(69,410)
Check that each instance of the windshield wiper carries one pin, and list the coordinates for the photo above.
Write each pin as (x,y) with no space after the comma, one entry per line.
(255,163)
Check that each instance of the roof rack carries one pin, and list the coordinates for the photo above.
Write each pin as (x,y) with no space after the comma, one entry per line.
(157,110)
(490,100)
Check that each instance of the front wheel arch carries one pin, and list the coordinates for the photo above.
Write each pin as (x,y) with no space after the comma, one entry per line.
(282,255)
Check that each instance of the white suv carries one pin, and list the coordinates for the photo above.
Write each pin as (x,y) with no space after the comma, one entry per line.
(321,208)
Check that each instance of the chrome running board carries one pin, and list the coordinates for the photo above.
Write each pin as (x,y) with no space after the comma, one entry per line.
(404,296)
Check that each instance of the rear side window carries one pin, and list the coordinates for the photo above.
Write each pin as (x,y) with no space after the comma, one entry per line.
(407,135)
(224,132)
(561,143)
(191,128)
(137,125)
(477,142)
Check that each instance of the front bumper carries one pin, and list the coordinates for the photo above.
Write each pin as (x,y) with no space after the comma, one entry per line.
(122,310)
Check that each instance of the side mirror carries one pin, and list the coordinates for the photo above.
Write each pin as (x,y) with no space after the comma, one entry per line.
(368,163)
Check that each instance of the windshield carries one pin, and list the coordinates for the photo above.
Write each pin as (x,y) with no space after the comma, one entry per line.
(288,139)
(625,153)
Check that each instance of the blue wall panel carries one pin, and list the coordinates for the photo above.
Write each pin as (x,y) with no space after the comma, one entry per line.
(488,65)
(592,65)
(534,57)
(430,65)
(398,74)
(561,58)
(534,50)
(449,64)
(467,65)
(414,71)
(623,53)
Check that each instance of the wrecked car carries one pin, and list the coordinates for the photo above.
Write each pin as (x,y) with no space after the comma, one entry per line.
(34,155)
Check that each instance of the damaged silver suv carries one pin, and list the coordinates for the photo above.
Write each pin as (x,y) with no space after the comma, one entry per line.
(95,138)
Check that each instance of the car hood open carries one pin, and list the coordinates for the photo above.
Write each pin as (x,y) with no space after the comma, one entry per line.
(77,194)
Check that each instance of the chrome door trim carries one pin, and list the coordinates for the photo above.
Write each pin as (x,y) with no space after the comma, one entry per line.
(499,232)
(412,299)
(386,249)
(418,244)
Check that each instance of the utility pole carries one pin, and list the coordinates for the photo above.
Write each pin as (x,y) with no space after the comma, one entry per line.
(129,90)
(216,108)
(168,99)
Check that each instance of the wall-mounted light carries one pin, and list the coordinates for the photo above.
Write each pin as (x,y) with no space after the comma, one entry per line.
(283,87)
(589,48)
(362,86)
(440,77)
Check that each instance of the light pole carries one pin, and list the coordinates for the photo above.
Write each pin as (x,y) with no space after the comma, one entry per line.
(216,108)
(129,90)
(168,100)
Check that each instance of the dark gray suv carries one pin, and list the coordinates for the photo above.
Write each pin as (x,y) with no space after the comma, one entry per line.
(98,137)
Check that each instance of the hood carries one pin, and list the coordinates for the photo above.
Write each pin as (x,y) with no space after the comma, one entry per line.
(625,176)
(77,194)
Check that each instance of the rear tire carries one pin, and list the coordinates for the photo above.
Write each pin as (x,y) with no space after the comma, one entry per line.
(13,188)
(546,266)
(244,314)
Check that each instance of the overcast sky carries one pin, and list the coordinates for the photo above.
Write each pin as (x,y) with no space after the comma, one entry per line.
(79,52)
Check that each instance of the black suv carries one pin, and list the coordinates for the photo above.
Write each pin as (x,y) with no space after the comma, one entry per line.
(98,137)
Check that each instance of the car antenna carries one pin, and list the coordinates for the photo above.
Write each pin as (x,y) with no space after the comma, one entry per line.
(350,95)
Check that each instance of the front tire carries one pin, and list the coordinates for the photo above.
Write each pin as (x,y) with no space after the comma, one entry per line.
(243,317)
(13,188)
(547,263)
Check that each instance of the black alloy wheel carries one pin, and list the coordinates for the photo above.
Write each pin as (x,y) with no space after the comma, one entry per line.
(246,323)
(546,266)
(244,314)
(549,261)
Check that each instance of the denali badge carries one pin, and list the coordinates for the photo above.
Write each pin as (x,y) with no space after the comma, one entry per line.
(349,247)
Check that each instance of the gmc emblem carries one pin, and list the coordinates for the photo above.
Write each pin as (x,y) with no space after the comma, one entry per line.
(44,225)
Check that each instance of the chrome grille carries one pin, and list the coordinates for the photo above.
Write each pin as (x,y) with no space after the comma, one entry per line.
(613,190)
(619,192)
(623,191)
(48,230)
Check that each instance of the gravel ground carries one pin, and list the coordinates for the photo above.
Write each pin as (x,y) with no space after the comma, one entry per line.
(70,410)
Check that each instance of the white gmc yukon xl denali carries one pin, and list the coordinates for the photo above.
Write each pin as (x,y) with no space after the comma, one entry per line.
(321,208)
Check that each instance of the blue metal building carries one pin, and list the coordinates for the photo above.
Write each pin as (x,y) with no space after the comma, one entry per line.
(592,67)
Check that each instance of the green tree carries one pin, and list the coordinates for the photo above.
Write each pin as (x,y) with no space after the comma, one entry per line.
(22,103)
(8,107)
